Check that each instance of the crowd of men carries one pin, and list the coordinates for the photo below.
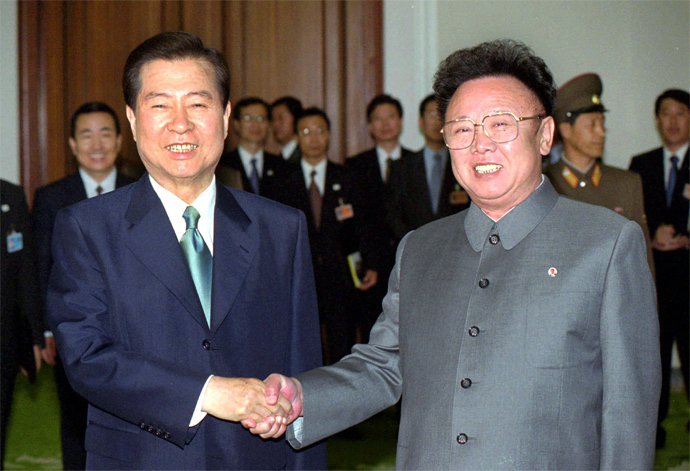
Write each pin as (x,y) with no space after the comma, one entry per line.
(148,338)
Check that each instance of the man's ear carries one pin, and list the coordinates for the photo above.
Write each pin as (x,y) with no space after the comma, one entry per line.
(73,146)
(226,118)
(547,129)
(132,118)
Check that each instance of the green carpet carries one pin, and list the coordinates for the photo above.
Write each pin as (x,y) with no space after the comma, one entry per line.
(33,434)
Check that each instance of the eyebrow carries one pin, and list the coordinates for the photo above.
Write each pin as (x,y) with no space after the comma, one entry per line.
(104,128)
(201,93)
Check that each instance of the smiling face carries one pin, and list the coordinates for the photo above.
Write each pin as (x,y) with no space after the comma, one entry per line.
(96,144)
(500,176)
(179,124)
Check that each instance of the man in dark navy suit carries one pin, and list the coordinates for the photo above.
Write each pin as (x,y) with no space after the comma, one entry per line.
(262,172)
(339,228)
(666,187)
(284,113)
(20,306)
(372,171)
(167,295)
(422,188)
(95,140)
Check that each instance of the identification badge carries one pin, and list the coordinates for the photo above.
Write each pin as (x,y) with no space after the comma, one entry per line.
(459,196)
(344,211)
(15,242)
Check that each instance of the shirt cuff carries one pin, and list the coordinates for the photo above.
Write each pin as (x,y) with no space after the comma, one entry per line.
(297,428)
(199,415)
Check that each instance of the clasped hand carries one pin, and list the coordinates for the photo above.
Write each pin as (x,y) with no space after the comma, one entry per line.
(266,412)
(278,389)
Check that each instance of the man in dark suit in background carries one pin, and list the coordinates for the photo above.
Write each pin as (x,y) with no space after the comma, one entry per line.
(163,293)
(422,188)
(20,306)
(665,182)
(285,111)
(261,171)
(329,195)
(372,170)
(95,140)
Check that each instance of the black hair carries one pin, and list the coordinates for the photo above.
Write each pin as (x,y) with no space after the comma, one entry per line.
(173,46)
(93,107)
(383,99)
(501,57)
(314,111)
(246,102)
(681,96)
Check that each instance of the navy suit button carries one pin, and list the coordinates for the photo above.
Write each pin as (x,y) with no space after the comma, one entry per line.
(465,383)
(483,283)
(493,239)
(474,331)
(166,435)
(151,429)
(461,438)
(142,425)
(206,344)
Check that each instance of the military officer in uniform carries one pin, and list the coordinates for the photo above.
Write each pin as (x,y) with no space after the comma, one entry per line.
(580,173)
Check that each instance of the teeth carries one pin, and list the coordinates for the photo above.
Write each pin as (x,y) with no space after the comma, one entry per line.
(181,148)
(488,168)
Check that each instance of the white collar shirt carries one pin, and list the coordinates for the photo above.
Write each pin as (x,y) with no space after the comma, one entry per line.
(205,203)
(680,153)
(319,178)
(90,185)
(288,149)
(246,159)
(383,157)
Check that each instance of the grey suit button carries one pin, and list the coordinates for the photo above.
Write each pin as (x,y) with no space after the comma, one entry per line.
(474,331)
(493,239)
(206,344)
(465,383)
(461,438)
(483,283)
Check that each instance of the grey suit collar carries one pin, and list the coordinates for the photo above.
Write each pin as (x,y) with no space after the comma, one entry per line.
(514,226)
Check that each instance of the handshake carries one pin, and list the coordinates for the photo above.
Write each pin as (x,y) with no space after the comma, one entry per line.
(265,408)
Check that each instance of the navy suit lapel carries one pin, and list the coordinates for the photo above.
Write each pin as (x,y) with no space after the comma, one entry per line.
(234,247)
(152,240)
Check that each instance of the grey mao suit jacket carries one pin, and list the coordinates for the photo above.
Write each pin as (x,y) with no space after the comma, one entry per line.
(527,343)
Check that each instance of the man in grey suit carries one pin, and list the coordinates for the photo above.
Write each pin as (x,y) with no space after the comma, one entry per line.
(521,332)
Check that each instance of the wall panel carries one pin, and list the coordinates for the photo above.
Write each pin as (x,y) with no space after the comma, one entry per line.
(327,53)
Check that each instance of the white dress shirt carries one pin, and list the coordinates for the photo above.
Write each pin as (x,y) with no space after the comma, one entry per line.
(246,159)
(288,149)
(383,157)
(319,178)
(90,185)
(205,203)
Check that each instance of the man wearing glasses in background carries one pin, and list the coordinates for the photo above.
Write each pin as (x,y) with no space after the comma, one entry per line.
(522,332)
(261,171)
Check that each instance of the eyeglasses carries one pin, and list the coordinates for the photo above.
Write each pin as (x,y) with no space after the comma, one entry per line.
(317,131)
(258,119)
(499,127)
